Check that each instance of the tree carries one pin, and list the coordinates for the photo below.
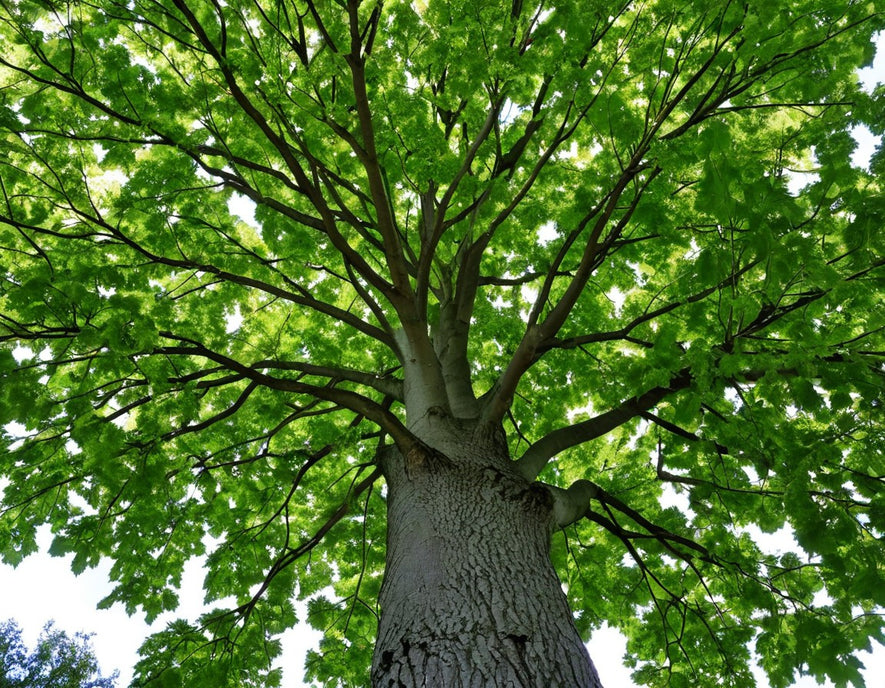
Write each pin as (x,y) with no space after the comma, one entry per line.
(58,661)
(472,293)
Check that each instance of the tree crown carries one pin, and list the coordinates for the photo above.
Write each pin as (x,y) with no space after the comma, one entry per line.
(58,660)
(247,246)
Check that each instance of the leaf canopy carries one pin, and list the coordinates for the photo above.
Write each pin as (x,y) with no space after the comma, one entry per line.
(246,245)
(57,660)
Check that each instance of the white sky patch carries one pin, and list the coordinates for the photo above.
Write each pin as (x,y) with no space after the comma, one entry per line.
(49,25)
(822,598)
(71,601)
(799,179)
(499,303)
(244,208)
(528,294)
(777,543)
(731,394)
(641,429)
(693,250)
(671,496)
(585,411)
(617,297)
(867,142)
(22,353)
(203,174)
(866,145)
(135,58)
(109,179)
(99,151)
(873,75)
(547,232)
(752,474)
(233,320)
(639,272)
(510,111)
(570,153)
(15,429)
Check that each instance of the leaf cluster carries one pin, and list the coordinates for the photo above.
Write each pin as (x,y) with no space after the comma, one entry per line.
(57,660)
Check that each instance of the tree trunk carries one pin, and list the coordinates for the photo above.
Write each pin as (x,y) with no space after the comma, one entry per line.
(470,597)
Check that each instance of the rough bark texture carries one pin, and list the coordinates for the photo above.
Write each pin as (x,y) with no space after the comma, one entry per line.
(470,597)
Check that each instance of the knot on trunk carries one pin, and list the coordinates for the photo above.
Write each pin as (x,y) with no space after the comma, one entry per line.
(422,459)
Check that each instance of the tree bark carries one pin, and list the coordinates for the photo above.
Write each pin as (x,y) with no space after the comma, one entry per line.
(470,597)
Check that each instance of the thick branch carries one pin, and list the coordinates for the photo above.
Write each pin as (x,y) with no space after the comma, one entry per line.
(385,384)
(285,151)
(393,249)
(349,400)
(532,462)
(624,332)
(594,249)
(435,223)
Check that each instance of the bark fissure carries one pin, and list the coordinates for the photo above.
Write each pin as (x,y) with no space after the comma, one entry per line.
(470,597)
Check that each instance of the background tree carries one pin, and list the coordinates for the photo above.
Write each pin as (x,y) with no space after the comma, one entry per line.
(57,661)
(466,288)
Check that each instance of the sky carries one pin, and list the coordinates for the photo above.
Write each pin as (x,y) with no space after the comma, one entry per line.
(43,588)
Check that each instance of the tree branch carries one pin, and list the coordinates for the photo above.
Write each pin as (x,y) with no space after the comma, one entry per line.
(533,460)
(350,400)
(647,316)
(402,296)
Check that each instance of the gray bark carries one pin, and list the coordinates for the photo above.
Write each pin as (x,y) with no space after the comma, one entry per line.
(470,598)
